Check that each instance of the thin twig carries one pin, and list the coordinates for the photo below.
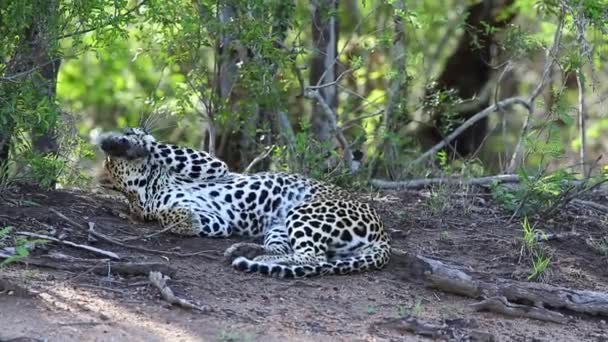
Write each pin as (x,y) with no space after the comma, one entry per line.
(333,83)
(160,232)
(259,159)
(72,244)
(65,218)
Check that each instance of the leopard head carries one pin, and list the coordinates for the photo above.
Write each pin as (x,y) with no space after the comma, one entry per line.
(126,166)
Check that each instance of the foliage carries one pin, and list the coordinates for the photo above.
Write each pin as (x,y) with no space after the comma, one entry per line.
(535,193)
(123,60)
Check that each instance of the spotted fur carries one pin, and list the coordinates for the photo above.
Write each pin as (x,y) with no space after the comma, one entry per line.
(309,228)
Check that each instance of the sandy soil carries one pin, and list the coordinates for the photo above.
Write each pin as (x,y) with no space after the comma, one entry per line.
(466,229)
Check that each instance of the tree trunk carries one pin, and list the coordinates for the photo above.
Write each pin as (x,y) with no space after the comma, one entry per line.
(394,116)
(228,142)
(323,69)
(467,72)
(35,60)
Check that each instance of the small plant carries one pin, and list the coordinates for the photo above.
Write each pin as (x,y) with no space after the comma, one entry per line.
(404,311)
(310,157)
(22,245)
(234,336)
(371,310)
(538,194)
(439,200)
(540,261)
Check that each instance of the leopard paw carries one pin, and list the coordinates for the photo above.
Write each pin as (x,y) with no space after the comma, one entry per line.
(243,249)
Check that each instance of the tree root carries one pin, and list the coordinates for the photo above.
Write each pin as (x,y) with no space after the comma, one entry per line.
(513,298)
(160,281)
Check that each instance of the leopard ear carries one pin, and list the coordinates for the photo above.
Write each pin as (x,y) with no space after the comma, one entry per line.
(119,146)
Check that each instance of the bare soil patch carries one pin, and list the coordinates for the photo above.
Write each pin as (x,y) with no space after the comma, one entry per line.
(469,229)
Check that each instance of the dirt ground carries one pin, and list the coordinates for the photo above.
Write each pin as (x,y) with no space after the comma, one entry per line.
(465,229)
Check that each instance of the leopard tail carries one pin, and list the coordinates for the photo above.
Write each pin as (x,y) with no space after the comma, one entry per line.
(373,257)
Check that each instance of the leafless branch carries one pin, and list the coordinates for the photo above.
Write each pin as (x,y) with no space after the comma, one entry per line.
(14,77)
(259,159)
(472,120)
(330,84)
(501,305)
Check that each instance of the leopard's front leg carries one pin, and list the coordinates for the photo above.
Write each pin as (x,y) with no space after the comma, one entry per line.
(191,222)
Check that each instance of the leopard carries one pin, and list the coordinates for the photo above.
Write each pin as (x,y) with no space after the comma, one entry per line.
(305,227)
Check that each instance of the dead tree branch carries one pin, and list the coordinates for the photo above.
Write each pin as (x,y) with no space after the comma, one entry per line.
(98,266)
(421,183)
(545,299)
(502,306)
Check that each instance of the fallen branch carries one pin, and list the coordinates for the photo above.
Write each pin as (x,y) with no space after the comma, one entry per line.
(413,325)
(421,183)
(592,205)
(546,299)
(503,306)
(109,254)
(96,266)
(447,331)
(557,236)
(108,239)
(160,281)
